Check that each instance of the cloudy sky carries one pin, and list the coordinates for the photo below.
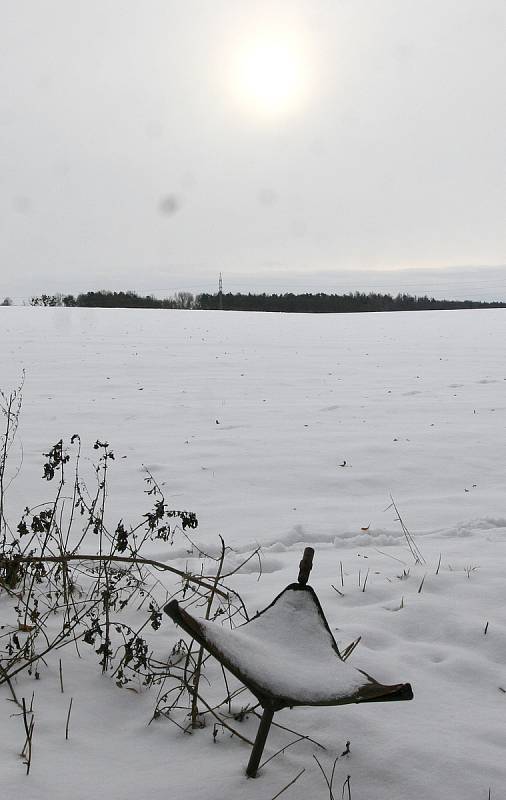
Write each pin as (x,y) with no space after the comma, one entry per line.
(319,144)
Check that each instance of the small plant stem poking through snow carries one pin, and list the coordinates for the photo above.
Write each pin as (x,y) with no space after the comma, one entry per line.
(415,552)
(68,719)
(329,781)
(349,650)
(421,585)
(198,668)
(282,750)
(26,752)
(10,407)
(224,724)
(290,730)
(289,784)
(486,629)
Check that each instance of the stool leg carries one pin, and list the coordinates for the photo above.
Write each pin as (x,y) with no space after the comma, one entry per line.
(258,747)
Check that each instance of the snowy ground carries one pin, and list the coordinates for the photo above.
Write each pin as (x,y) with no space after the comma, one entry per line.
(246,418)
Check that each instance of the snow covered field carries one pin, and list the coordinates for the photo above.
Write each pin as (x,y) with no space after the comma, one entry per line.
(287,430)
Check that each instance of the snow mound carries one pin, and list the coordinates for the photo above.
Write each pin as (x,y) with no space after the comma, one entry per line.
(288,651)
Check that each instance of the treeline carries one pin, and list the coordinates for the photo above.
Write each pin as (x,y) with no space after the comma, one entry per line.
(319,303)
(322,303)
(104,299)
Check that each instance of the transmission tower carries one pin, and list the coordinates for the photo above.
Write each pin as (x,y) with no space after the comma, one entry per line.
(220,293)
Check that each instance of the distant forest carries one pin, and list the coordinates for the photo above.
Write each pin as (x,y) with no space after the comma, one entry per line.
(319,303)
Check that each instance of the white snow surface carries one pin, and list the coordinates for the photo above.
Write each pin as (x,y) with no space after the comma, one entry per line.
(246,419)
(287,651)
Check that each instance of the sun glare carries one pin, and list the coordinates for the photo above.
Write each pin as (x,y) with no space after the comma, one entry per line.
(270,77)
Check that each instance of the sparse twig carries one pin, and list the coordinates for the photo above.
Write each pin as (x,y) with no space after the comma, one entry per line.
(26,752)
(296,733)
(289,784)
(350,648)
(415,552)
(222,722)
(281,750)
(196,674)
(68,719)
(328,781)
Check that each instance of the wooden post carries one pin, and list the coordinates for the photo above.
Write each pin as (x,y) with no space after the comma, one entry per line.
(305,566)
(261,738)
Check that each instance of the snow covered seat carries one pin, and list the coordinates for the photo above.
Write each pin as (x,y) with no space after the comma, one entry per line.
(287,656)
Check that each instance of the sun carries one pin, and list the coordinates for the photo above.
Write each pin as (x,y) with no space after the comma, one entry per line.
(269,76)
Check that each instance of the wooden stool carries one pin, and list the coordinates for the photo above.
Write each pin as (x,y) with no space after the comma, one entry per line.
(287,656)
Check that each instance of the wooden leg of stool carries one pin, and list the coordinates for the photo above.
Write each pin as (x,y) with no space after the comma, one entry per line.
(261,738)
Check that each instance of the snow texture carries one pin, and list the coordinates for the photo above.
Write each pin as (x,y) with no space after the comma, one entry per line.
(246,418)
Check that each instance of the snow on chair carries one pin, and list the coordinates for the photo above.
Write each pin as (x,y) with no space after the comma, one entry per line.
(286,656)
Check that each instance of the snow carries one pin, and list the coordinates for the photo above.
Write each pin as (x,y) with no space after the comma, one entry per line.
(246,419)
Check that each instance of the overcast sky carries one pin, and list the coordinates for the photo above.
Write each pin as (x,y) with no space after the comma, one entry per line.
(149,145)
